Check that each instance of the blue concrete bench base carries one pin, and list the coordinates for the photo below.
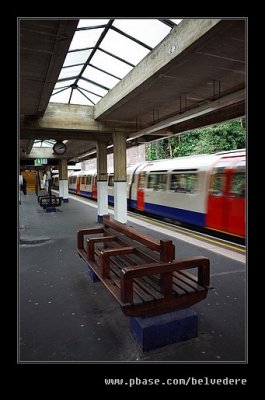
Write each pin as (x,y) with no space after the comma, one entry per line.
(92,276)
(49,209)
(161,330)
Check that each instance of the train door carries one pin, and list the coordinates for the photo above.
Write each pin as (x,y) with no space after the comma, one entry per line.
(140,191)
(78,178)
(216,211)
(236,200)
(94,187)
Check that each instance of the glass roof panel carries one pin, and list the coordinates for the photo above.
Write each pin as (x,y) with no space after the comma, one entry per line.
(60,85)
(62,97)
(123,47)
(149,31)
(91,96)
(70,72)
(100,77)
(93,88)
(176,21)
(44,143)
(112,65)
(79,98)
(77,57)
(92,22)
(87,38)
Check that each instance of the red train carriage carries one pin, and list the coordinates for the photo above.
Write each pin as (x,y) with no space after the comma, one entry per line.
(226,196)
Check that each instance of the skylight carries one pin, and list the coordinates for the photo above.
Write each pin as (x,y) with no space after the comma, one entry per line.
(102,52)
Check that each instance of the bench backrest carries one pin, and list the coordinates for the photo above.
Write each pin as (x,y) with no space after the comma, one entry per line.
(165,248)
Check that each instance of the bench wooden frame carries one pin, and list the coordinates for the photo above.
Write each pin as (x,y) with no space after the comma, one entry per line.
(141,272)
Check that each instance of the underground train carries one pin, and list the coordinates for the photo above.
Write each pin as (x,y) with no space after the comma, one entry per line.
(207,191)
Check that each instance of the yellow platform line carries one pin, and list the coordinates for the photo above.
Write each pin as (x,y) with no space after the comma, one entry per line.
(193,234)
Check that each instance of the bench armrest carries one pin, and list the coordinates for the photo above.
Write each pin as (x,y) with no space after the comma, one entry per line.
(166,273)
(82,232)
(104,263)
(91,242)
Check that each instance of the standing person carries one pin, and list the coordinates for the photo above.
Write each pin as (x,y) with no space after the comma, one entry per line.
(20,182)
(24,186)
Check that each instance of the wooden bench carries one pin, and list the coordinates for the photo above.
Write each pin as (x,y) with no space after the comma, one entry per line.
(140,271)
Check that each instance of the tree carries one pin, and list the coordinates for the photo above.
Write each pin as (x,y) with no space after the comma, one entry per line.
(230,135)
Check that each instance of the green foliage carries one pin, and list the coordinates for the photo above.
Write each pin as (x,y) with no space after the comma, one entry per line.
(227,136)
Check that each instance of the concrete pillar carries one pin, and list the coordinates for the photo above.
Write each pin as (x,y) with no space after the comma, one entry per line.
(120,177)
(63,180)
(102,180)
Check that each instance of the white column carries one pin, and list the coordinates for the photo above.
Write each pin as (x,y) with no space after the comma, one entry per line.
(102,180)
(61,189)
(63,180)
(102,196)
(120,176)
(120,202)
(65,190)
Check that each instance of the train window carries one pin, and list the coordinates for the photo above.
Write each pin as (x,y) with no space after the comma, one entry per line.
(191,183)
(238,185)
(88,180)
(74,179)
(83,180)
(216,186)
(157,181)
(183,183)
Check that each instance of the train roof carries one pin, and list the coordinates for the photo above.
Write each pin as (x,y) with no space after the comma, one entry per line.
(194,162)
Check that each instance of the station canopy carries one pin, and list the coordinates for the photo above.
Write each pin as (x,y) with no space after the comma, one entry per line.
(102,52)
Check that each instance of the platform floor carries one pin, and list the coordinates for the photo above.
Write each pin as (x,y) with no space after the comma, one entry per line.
(63,317)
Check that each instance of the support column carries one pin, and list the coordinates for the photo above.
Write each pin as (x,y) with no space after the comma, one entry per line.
(102,180)
(63,180)
(120,177)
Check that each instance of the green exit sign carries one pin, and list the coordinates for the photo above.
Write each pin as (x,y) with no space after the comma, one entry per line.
(40,161)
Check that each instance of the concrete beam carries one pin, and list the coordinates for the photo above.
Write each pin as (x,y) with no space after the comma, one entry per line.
(66,117)
(37,133)
(38,152)
(180,39)
(199,112)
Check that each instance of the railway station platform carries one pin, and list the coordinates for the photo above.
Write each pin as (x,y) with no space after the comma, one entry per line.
(64,317)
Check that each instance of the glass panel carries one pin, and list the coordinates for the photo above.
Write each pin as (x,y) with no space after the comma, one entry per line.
(183,183)
(114,66)
(69,72)
(63,84)
(62,97)
(157,181)
(78,98)
(84,39)
(176,21)
(123,47)
(100,77)
(91,22)
(191,183)
(44,143)
(238,186)
(216,188)
(93,88)
(91,96)
(77,57)
(148,31)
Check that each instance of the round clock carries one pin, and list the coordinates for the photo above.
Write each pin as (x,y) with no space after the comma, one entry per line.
(59,148)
